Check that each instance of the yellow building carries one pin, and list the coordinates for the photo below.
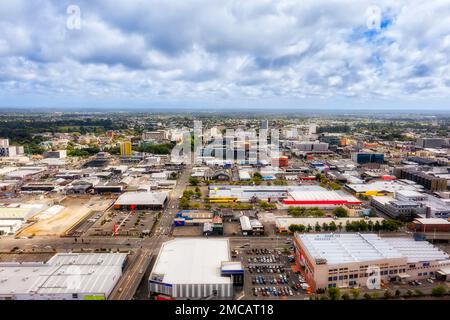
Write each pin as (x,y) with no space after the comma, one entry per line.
(125,149)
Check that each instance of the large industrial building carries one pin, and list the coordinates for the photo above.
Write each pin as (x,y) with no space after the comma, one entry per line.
(66,276)
(14,215)
(195,269)
(428,181)
(346,259)
(410,204)
(382,187)
(310,195)
(142,200)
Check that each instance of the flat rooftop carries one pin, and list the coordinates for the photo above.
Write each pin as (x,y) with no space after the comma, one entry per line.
(387,186)
(347,247)
(432,221)
(83,273)
(355,247)
(142,198)
(192,261)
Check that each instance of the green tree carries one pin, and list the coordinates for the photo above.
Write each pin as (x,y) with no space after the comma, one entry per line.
(173,175)
(184,203)
(355,293)
(257,175)
(346,296)
(367,296)
(317,227)
(332,226)
(340,212)
(334,293)
(314,212)
(296,211)
(439,291)
(418,292)
(193,181)
(266,206)
(387,294)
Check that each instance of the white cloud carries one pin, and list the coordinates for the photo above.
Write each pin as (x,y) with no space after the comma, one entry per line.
(231,49)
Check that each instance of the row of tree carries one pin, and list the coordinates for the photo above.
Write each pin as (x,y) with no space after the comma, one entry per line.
(335,293)
(354,226)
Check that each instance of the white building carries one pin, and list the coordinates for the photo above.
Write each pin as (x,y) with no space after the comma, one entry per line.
(7,150)
(14,215)
(194,269)
(66,276)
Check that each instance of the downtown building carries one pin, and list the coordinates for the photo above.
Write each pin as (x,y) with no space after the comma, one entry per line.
(7,150)
(428,181)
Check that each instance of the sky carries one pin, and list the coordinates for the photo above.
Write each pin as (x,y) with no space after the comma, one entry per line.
(218,54)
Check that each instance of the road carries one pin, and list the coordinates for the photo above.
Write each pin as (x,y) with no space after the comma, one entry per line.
(133,274)
(165,223)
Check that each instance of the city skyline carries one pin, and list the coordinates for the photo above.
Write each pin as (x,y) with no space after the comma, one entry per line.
(239,55)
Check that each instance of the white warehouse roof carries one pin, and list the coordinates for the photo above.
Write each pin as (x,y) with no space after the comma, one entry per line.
(84,273)
(142,198)
(355,247)
(192,261)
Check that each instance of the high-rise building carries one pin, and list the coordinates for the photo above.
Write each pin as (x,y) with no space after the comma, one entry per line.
(264,124)
(367,157)
(125,149)
(9,151)
(426,180)
(158,135)
(312,146)
(431,142)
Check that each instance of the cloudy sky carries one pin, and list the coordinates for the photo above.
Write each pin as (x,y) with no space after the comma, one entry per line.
(210,54)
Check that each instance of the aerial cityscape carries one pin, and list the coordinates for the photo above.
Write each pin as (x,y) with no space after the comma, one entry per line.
(143,158)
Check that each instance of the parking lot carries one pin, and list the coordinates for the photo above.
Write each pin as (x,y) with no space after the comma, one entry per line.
(268,274)
(128,223)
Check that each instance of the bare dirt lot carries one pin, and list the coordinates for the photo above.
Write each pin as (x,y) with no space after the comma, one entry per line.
(75,210)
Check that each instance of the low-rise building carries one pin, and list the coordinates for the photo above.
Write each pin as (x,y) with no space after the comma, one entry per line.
(349,259)
(141,200)
(66,276)
(195,269)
